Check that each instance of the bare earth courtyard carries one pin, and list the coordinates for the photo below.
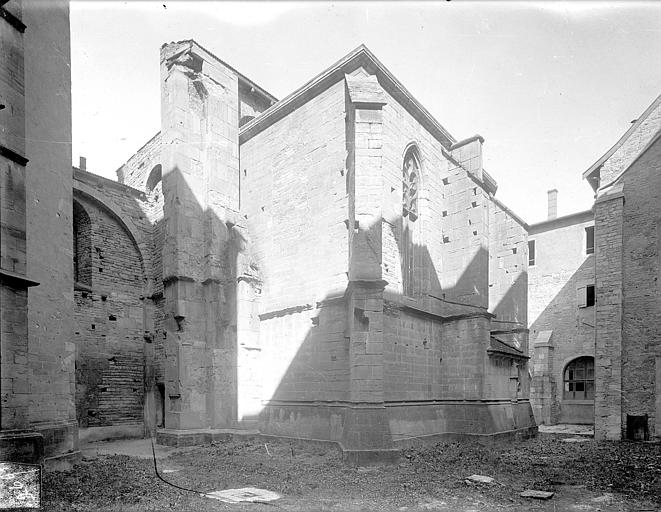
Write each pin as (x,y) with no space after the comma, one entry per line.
(585,475)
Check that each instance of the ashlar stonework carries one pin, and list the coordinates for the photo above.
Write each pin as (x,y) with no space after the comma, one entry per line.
(330,264)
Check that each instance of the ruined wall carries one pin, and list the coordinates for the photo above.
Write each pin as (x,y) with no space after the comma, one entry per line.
(109,327)
(293,194)
(144,172)
(641,267)
(120,349)
(200,167)
(135,172)
(561,269)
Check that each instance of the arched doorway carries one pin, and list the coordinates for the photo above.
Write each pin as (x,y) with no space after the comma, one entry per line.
(577,404)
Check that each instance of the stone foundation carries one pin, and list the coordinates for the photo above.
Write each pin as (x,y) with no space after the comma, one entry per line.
(409,425)
(21,446)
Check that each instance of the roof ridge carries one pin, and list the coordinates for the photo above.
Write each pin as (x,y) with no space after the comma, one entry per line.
(620,142)
(279,109)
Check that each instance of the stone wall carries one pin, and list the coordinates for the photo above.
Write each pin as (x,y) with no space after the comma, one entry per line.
(293,194)
(200,166)
(562,268)
(641,316)
(49,226)
(136,171)
(608,325)
(120,348)
(14,383)
(109,327)
(508,268)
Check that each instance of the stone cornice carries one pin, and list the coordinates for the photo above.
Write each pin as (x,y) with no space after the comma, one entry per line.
(467,141)
(613,192)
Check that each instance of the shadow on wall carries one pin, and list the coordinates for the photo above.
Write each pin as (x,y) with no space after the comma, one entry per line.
(218,361)
(419,364)
(573,329)
(110,281)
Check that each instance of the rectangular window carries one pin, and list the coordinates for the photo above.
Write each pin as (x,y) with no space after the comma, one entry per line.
(531,253)
(590,297)
(585,296)
(589,240)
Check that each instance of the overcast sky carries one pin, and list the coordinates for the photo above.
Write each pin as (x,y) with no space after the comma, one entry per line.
(550,86)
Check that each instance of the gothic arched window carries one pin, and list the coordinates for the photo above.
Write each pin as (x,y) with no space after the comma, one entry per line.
(411,171)
(411,184)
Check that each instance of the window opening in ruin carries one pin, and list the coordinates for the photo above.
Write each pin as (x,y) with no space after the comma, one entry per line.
(531,253)
(579,379)
(154,179)
(410,212)
(82,245)
(589,240)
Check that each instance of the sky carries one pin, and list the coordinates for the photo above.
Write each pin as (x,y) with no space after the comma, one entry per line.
(551,86)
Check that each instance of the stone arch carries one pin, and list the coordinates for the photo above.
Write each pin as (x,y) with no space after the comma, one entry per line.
(565,365)
(112,318)
(139,239)
(155,176)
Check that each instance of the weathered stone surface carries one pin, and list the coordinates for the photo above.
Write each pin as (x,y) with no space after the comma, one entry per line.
(37,385)
(539,495)
(481,479)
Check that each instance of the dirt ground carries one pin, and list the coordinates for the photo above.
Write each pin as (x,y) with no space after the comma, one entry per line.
(585,476)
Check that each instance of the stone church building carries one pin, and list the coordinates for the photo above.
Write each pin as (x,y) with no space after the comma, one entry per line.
(331,266)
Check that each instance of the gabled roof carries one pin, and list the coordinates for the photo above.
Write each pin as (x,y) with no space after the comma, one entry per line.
(632,129)
(360,57)
(653,141)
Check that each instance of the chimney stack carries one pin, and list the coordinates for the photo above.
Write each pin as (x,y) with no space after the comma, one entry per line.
(83,163)
(553,203)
